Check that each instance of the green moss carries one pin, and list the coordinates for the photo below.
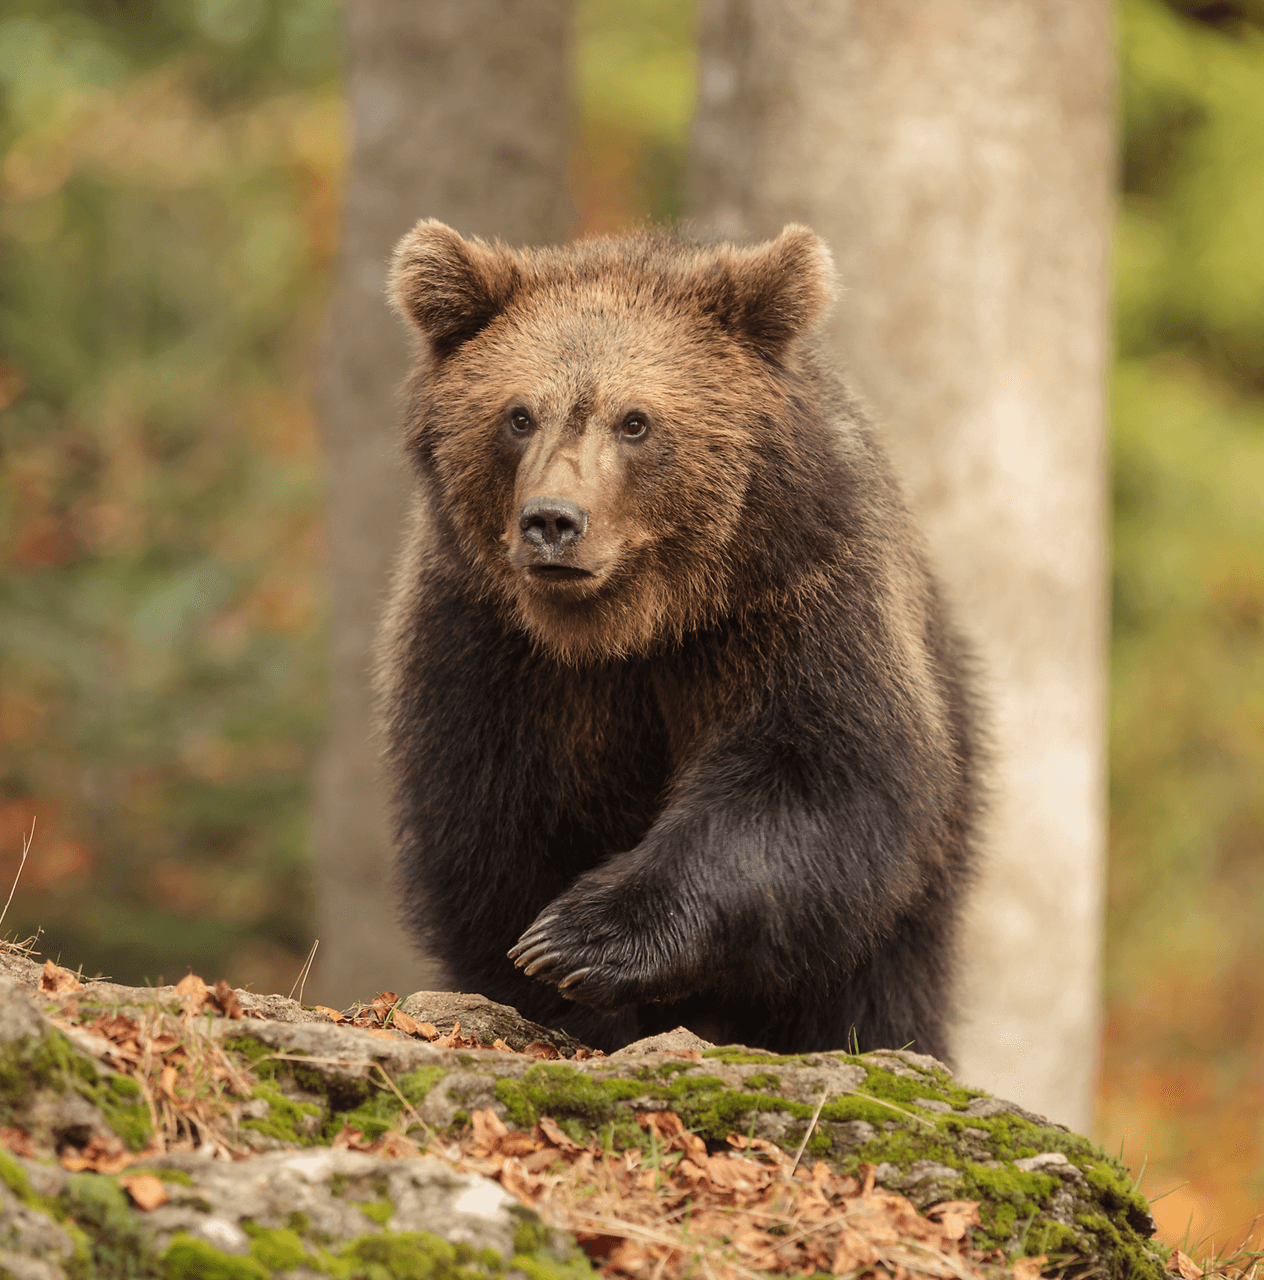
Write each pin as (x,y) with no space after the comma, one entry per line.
(50,1062)
(380,1109)
(165,1175)
(189,1259)
(14,1177)
(287,1120)
(123,1108)
(379,1211)
(743,1057)
(552,1089)
(763,1081)
(251,1049)
(413,1255)
(279,1250)
(880,1083)
(97,1204)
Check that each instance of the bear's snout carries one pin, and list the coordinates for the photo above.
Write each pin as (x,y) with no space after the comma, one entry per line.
(552,525)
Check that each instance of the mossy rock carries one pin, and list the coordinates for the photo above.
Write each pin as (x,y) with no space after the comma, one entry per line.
(1041,1188)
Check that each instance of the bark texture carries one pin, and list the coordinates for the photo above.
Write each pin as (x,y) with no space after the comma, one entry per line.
(458,112)
(958,156)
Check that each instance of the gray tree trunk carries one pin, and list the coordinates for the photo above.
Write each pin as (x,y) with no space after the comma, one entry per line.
(459,111)
(958,155)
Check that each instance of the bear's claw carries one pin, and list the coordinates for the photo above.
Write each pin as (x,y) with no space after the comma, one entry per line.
(546,961)
(572,978)
(534,935)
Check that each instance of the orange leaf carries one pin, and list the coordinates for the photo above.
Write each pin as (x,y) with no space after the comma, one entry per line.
(557,1135)
(488,1128)
(147,1192)
(1029,1268)
(429,1030)
(539,1049)
(192,992)
(17,1140)
(332,1014)
(1183,1265)
(57,981)
(226,998)
(401,1020)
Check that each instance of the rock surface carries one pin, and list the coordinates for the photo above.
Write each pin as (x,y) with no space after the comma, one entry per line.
(290,1203)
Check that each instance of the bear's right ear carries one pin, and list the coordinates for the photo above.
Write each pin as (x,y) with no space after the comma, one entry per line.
(448,287)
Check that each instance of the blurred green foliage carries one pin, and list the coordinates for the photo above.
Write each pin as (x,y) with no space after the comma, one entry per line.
(1184,1071)
(170,186)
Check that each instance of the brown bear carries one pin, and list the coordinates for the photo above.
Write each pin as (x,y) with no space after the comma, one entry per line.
(678,728)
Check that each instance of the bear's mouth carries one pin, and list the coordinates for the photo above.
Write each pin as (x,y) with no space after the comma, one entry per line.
(558,572)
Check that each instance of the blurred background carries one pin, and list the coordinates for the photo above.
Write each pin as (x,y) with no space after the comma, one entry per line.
(171,187)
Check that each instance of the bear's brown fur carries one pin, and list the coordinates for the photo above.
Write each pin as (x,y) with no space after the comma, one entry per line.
(673,711)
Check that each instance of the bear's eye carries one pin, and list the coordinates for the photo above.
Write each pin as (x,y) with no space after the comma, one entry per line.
(634,426)
(520,421)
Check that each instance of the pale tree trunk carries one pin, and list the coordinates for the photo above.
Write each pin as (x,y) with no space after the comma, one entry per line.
(459,112)
(958,156)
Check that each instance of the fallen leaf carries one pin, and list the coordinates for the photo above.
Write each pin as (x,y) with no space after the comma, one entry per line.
(332,1014)
(596,1244)
(429,1030)
(146,1191)
(192,993)
(1029,1268)
(539,1049)
(99,1156)
(557,1135)
(1183,1265)
(956,1216)
(57,981)
(17,1140)
(226,999)
(502,1046)
(488,1129)
(401,1020)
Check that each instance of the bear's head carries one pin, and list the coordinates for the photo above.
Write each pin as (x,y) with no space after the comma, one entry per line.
(619,432)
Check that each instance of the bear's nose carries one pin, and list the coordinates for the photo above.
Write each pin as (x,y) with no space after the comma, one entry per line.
(551,524)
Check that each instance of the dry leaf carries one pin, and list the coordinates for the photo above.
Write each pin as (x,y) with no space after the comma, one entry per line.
(17,1140)
(429,1030)
(498,1043)
(956,1216)
(147,1192)
(488,1129)
(401,1020)
(56,981)
(108,1156)
(1029,1268)
(557,1135)
(539,1049)
(192,993)
(332,1014)
(226,1000)
(1183,1265)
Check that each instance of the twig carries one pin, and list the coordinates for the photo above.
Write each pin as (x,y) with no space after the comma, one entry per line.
(301,981)
(816,1115)
(408,1106)
(882,1102)
(26,848)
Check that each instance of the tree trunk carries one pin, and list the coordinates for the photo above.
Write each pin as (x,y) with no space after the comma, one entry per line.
(958,156)
(458,111)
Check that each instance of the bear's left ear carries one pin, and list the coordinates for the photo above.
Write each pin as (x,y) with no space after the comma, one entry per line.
(775,291)
(450,288)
